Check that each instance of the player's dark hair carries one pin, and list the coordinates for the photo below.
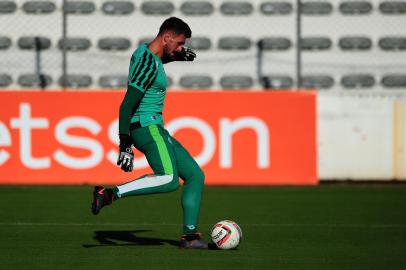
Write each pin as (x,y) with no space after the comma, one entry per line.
(175,25)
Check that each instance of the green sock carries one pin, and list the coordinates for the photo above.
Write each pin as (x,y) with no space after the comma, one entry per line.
(189,229)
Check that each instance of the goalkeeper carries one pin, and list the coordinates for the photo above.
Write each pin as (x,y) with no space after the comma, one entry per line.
(141,125)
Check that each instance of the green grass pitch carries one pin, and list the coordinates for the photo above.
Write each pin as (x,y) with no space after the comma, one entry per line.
(322,227)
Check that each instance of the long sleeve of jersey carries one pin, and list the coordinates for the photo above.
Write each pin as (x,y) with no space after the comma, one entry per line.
(128,106)
(142,72)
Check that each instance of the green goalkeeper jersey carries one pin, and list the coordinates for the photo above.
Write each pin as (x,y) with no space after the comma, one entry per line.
(146,74)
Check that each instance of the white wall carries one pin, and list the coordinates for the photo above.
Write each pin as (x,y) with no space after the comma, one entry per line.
(361,136)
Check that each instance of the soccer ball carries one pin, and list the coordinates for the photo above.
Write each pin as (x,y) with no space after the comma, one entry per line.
(226,234)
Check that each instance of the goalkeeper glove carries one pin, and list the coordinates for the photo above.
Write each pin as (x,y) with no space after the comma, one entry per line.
(126,156)
(186,54)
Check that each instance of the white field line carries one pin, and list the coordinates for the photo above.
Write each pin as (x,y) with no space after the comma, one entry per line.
(50,224)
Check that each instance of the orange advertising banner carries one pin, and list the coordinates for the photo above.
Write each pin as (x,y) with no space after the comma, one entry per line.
(239,138)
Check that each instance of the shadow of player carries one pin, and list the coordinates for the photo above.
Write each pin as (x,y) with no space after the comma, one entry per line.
(127,238)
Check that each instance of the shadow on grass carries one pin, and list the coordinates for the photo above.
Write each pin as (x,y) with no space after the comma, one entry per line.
(131,238)
(127,238)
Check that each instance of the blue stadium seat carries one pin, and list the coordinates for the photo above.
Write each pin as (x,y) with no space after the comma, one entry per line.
(5,42)
(169,81)
(197,8)
(236,82)
(118,7)
(316,43)
(7,7)
(236,8)
(33,80)
(75,81)
(355,7)
(157,7)
(5,80)
(317,81)
(392,43)
(145,40)
(394,80)
(117,44)
(113,81)
(79,7)
(355,43)
(196,81)
(275,43)
(352,81)
(199,43)
(74,44)
(234,43)
(30,43)
(277,82)
(276,8)
(39,7)
(393,7)
(316,8)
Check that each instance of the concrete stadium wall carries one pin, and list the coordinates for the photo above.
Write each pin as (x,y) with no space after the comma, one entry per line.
(361,136)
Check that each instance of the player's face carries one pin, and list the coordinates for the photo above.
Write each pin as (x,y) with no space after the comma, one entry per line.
(174,43)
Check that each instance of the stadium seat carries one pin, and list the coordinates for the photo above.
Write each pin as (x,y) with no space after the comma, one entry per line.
(113,81)
(169,81)
(394,80)
(236,82)
(315,43)
(118,7)
(276,8)
(74,44)
(196,81)
(277,82)
(392,43)
(5,42)
(118,44)
(317,81)
(157,7)
(5,80)
(197,8)
(75,81)
(39,7)
(7,7)
(120,81)
(79,7)
(145,40)
(275,43)
(392,7)
(316,8)
(236,8)
(357,81)
(199,43)
(355,7)
(234,43)
(33,80)
(30,42)
(355,43)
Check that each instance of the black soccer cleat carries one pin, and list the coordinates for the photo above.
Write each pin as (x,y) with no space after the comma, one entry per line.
(192,241)
(101,197)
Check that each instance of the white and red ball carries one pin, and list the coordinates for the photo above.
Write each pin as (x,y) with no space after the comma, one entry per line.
(226,234)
